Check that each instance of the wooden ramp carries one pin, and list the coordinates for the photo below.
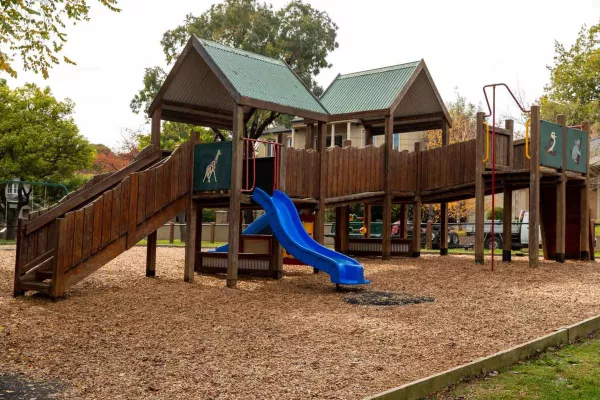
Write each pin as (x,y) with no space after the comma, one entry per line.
(60,246)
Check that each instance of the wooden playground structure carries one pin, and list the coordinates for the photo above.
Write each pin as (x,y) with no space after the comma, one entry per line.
(215,86)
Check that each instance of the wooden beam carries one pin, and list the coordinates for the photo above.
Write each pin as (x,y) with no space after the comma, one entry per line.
(360,115)
(509,125)
(585,209)
(479,189)
(320,211)
(561,197)
(507,223)
(386,233)
(151,254)
(416,244)
(308,137)
(155,128)
(443,205)
(402,229)
(210,122)
(237,156)
(211,112)
(534,187)
(191,219)
(337,237)
(269,106)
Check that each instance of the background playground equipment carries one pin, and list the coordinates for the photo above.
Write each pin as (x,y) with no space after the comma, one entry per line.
(60,246)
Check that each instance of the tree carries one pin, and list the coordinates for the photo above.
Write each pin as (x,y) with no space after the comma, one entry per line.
(39,140)
(108,161)
(35,31)
(174,133)
(574,88)
(299,34)
(464,123)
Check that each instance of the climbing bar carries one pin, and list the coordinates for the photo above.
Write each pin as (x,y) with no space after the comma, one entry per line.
(487,142)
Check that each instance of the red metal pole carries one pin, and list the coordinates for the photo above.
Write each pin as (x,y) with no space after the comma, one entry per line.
(493,172)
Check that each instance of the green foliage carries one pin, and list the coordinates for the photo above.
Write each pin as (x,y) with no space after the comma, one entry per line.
(174,133)
(39,140)
(35,31)
(498,213)
(297,33)
(574,88)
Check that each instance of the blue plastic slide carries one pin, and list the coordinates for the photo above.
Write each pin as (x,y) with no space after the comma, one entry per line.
(259,226)
(288,229)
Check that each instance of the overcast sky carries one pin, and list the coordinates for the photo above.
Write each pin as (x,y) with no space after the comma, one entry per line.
(466,44)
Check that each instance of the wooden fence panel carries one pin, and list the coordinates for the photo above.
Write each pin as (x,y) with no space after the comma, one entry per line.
(106,217)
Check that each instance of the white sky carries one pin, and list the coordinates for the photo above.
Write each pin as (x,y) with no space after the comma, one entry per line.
(459,44)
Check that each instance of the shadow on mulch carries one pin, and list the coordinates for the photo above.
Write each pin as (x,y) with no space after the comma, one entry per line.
(380,298)
(16,386)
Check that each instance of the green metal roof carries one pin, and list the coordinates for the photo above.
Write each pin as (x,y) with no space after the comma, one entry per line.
(367,90)
(261,77)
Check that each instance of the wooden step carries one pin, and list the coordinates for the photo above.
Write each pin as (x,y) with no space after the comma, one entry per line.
(42,287)
(41,275)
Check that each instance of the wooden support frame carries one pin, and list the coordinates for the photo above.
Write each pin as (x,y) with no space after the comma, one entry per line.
(507,203)
(151,254)
(561,197)
(155,127)
(479,188)
(235,196)
(191,219)
(585,200)
(386,230)
(534,187)
(403,228)
(367,219)
(444,205)
(416,244)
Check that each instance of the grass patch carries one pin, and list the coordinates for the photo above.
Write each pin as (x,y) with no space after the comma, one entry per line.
(4,241)
(179,243)
(572,372)
(498,252)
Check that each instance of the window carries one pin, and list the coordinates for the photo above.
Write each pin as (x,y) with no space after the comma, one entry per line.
(13,188)
(268,150)
(289,142)
(396,141)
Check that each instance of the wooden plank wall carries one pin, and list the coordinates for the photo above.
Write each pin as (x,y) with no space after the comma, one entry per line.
(404,165)
(502,143)
(302,173)
(352,170)
(520,162)
(447,166)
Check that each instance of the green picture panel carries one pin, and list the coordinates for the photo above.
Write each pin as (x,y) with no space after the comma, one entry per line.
(577,150)
(212,166)
(551,145)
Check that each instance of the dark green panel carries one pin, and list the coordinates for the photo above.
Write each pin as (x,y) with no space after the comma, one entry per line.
(577,143)
(551,145)
(204,155)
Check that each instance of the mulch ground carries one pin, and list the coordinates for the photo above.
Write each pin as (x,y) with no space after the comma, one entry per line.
(120,335)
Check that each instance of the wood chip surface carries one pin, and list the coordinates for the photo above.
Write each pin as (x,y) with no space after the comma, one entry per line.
(120,335)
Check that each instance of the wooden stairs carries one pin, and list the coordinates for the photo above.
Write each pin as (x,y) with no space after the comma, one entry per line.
(62,245)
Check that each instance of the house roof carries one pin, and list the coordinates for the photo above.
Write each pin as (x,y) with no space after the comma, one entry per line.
(374,89)
(277,129)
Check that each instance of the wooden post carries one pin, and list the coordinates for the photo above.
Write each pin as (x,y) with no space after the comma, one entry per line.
(479,189)
(346,229)
(337,238)
(585,208)
(308,136)
(444,205)
(276,249)
(18,260)
(367,219)
(561,197)
(368,135)
(57,287)
(428,233)
(386,229)
(151,254)
(212,231)
(534,187)
(507,223)
(171,232)
(507,206)
(319,228)
(403,221)
(191,220)
(237,157)
(155,128)
(416,245)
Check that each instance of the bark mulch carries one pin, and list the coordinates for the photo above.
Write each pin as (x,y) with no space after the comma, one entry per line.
(120,335)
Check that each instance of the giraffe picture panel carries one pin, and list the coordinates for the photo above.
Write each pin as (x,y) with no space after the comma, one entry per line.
(551,145)
(577,142)
(212,166)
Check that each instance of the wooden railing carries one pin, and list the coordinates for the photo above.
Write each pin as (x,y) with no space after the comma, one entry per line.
(404,167)
(502,142)
(302,173)
(351,170)
(447,166)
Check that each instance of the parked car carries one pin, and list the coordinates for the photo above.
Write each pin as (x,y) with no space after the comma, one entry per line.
(453,238)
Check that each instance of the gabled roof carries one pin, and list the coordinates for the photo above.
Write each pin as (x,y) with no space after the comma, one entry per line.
(250,79)
(375,89)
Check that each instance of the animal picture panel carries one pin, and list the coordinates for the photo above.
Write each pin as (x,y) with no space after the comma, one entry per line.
(212,166)
(577,146)
(551,145)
